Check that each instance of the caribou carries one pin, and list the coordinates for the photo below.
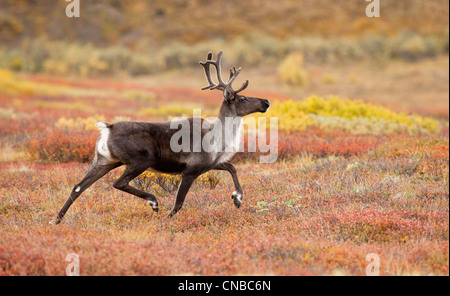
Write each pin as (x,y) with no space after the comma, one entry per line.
(141,146)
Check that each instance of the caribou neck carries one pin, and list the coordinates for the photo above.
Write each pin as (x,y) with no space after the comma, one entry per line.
(231,124)
(225,112)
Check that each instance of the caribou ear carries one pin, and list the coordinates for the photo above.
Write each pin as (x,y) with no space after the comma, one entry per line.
(228,95)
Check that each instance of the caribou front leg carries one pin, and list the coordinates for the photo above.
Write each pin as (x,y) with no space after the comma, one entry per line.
(237,194)
(183,188)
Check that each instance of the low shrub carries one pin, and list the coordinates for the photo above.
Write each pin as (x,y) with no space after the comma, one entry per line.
(162,184)
(63,145)
(354,116)
(315,143)
(86,60)
(291,70)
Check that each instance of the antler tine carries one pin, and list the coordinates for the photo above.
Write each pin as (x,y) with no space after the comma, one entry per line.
(208,76)
(244,86)
(206,67)
(212,85)
(233,75)
(219,68)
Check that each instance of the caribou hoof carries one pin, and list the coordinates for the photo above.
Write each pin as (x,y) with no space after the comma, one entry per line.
(154,205)
(55,222)
(237,199)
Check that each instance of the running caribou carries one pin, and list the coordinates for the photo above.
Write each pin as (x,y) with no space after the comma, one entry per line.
(141,146)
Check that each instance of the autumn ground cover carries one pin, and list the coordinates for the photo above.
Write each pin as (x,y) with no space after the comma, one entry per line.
(352,178)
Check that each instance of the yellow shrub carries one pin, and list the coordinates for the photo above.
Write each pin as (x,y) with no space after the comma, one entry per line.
(329,79)
(291,70)
(5,74)
(55,67)
(168,184)
(355,116)
(140,96)
(85,123)
(14,85)
(12,114)
(80,123)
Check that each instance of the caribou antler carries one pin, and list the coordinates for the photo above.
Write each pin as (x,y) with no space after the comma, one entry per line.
(221,85)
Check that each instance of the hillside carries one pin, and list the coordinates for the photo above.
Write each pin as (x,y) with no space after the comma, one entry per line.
(112,22)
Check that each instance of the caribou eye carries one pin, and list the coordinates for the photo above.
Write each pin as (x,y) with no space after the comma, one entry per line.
(244,99)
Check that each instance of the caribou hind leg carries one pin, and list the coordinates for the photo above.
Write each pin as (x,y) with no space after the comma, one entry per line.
(131,172)
(97,169)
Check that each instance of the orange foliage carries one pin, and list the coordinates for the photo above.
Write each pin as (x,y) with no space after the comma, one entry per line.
(316,143)
(62,145)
